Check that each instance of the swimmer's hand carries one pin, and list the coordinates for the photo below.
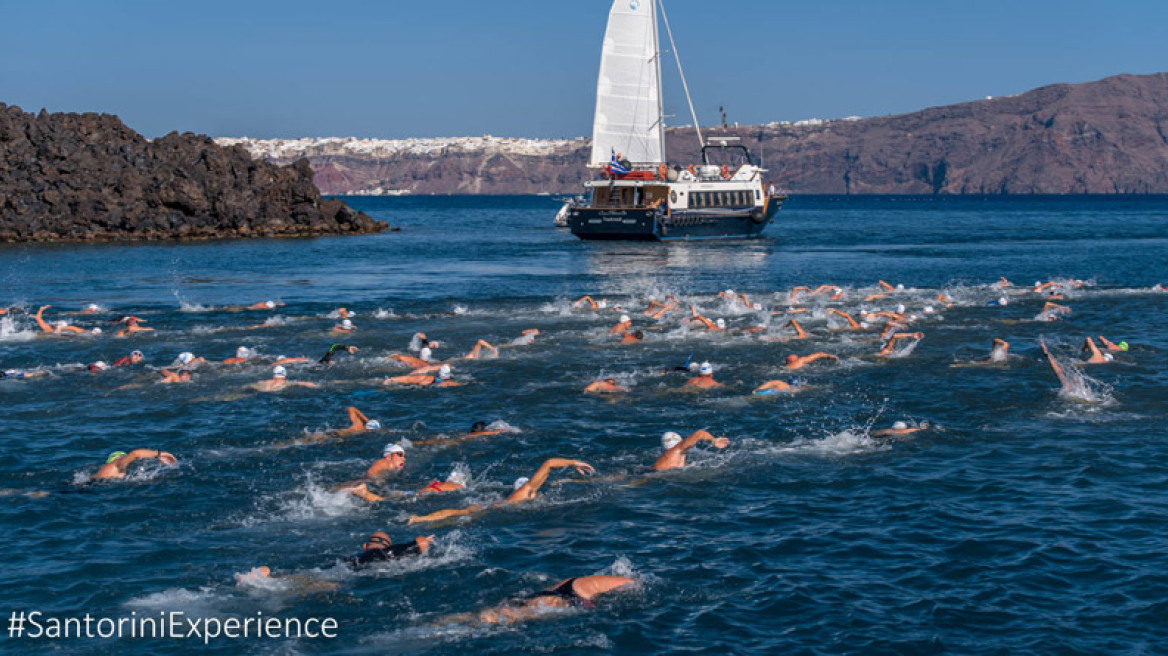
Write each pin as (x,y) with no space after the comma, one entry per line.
(721,442)
(167,459)
(424,542)
(583,468)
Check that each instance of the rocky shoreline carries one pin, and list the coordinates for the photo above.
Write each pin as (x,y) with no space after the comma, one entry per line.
(89,177)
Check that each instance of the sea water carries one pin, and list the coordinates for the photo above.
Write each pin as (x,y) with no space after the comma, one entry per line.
(1024,520)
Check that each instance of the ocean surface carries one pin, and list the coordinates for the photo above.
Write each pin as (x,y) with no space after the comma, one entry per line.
(1026,518)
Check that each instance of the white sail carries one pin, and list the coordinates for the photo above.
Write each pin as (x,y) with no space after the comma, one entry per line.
(628,93)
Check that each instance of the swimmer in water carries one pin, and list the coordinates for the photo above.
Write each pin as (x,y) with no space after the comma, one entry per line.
(890,346)
(577,592)
(478,349)
(343,313)
(898,428)
(479,429)
(662,310)
(655,305)
(1068,388)
(1051,312)
(676,448)
(135,357)
(97,367)
(345,326)
(17,374)
(798,362)
(57,327)
(241,356)
(300,584)
(1000,352)
(1096,356)
(264,305)
(132,326)
(775,386)
(889,288)
(852,323)
(591,304)
(1002,283)
(795,296)
(337,348)
(169,377)
(358,423)
(526,337)
(119,461)
(1111,346)
(633,337)
(720,324)
(622,326)
(440,379)
(280,360)
(278,381)
(705,378)
(392,460)
(606,386)
(834,292)
(525,489)
(92,308)
(380,548)
(425,359)
(188,360)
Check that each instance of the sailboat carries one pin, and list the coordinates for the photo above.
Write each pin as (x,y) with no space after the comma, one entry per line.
(636,193)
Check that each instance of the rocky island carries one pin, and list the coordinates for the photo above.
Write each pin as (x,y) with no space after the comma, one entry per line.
(89,177)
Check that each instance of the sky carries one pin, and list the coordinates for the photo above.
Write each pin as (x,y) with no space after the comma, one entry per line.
(521,68)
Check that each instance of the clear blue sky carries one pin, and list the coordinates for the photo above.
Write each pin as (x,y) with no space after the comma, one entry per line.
(524,68)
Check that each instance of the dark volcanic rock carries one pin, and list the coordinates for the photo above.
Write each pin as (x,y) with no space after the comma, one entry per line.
(1103,137)
(77,177)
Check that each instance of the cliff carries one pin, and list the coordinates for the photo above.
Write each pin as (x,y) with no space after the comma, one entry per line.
(1103,137)
(81,177)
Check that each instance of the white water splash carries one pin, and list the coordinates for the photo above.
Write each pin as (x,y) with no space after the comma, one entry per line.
(11,331)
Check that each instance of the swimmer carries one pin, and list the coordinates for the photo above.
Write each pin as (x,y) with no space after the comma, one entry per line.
(57,327)
(440,379)
(92,308)
(343,313)
(890,345)
(798,362)
(358,423)
(278,381)
(1111,346)
(875,297)
(455,481)
(168,376)
(1002,283)
(622,326)
(889,288)
(525,489)
(794,297)
(119,461)
(241,356)
(592,305)
(1068,388)
(526,337)
(1000,352)
(799,332)
(380,548)
(661,311)
(735,298)
(577,592)
(852,323)
(419,341)
(345,326)
(776,386)
(303,585)
(337,348)
(834,292)
(135,357)
(132,326)
(479,429)
(676,448)
(942,297)
(280,360)
(1051,312)
(898,428)
(97,367)
(17,374)
(606,386)
(1096,357)
(424,361)
(720,324)
(634,337)
(264,305)
(705,378)
(188,360)
(655,305)
(478,348)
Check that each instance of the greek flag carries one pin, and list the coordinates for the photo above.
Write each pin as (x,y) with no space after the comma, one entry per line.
(615,166)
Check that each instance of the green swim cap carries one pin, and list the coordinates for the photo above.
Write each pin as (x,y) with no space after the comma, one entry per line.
(1123,346)
(114,456)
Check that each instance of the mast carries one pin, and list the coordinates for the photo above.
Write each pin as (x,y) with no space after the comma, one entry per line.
(684,85)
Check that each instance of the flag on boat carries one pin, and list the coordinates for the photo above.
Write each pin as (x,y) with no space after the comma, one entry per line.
(615,165)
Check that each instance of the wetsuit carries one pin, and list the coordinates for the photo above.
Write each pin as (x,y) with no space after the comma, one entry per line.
(123,361)
(563,591)
(392,552)
(328,357)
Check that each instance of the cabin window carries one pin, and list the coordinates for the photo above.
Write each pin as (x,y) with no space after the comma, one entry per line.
(757,194)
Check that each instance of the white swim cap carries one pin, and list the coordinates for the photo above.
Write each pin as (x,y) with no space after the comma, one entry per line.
(839,290)
(625,318)
(928,309)
(900,287)
(670,440)
(730,293)
(1003,301)
(457,477)
(373,424)
(185,357)
(1109,357)
(391,449)
(900,308)
(137,353)
(96,331)
(602,304)
(92,306)
(756,306)
(241,352)
(900,425)
(520,482)
(721,323)
(1037,283)
(61,323)
(279,372)
(444,372)
(102,366)
(425,353)
(347,324)
(270,304)
(706,369)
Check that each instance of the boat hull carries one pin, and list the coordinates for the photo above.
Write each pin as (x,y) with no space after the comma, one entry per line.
(638,224)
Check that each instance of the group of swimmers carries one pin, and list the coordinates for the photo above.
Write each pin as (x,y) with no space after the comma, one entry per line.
(895,336)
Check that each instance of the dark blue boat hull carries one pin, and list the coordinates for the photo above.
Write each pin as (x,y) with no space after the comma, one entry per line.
(650,225)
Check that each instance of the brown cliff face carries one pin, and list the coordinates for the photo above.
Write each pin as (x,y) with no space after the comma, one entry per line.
(80,177)
(1103,137)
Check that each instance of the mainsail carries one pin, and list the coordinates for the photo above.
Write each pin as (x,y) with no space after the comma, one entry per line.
(628,93)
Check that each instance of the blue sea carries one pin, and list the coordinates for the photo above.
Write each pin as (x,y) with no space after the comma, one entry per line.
(1025,518)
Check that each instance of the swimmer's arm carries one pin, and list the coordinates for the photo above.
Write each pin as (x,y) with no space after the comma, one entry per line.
(531,487)
(444,514)
(357,418)
(305,384)
(40,320)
